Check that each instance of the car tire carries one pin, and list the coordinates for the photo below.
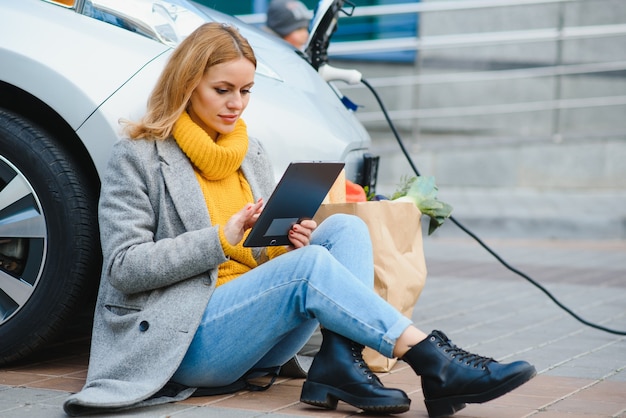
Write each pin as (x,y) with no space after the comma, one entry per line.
(49,244)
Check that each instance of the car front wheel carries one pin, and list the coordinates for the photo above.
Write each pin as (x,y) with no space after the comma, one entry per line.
(49,248)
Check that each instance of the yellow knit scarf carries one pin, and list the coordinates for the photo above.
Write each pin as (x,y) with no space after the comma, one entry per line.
(214,159)
(225,189)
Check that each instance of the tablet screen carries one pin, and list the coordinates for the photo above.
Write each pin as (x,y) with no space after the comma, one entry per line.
(298,195)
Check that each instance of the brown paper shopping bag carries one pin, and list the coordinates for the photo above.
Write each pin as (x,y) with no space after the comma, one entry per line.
(399,265)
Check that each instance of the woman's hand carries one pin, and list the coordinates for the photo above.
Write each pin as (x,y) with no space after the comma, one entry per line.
(300,233)
(241,221)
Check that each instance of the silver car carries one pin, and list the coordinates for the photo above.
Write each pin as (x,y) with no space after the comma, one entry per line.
(69,70)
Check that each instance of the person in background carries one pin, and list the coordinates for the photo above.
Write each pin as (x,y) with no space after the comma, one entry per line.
(289,19)
(184,308)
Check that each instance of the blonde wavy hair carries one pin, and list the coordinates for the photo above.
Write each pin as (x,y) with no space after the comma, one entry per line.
(210,44)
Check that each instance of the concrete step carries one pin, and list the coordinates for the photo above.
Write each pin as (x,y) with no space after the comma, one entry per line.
(528,213)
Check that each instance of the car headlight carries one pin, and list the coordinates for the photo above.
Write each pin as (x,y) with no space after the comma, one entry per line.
(168,21)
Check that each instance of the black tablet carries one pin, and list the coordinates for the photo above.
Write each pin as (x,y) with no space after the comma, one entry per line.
(297,196)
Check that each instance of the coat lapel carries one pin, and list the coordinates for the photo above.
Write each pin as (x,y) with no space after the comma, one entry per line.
(184,189)
(183,186)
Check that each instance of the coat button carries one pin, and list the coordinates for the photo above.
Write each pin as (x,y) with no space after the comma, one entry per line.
(143,326)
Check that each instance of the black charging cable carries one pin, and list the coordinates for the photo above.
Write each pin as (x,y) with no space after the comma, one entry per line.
(471,234)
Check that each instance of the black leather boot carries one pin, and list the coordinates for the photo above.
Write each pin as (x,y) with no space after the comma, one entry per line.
(339,372)
(452,377)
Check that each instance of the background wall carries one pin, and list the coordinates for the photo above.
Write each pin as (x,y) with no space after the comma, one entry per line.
(481,106)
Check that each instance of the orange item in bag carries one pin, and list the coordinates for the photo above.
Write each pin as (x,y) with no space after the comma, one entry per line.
(355,192)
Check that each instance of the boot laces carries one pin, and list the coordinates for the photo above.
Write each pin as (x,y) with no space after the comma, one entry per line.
(461,355)
(357,354)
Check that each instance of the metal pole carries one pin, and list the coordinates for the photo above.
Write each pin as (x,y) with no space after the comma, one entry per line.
(557,135)
(416,89)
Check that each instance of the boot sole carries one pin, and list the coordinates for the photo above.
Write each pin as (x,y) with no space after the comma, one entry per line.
(324,396)
(444,407)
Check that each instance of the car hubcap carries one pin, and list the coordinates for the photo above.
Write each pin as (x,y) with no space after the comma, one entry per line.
(22,240)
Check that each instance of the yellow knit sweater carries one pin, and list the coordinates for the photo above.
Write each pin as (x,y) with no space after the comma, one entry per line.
(225,189)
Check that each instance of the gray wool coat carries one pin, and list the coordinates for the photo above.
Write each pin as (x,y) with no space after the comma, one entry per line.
(160,258)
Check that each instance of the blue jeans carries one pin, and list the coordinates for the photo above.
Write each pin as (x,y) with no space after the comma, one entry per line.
(264,317)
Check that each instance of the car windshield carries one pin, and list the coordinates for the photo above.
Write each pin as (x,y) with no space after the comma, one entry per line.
(168,21)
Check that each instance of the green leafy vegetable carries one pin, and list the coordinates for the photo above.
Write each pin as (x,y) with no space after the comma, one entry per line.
(404,187)
(422,191)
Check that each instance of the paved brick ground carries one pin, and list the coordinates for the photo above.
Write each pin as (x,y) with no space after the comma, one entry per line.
(481,305)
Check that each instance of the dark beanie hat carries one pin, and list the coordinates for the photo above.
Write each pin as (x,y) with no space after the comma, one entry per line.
(285,16)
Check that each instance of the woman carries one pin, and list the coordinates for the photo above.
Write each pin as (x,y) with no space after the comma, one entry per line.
(183,305)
